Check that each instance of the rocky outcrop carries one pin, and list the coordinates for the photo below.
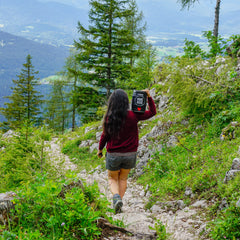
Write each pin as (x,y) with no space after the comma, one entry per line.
(223,204)
(6,204)
(229,132)
(235,169)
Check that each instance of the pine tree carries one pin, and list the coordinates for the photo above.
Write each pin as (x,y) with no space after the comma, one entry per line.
(24,103)
(105,45)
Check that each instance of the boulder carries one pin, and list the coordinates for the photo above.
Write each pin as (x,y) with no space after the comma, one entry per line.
(238,203)
(86,143)
(8,134)
(220,60)
(163,101)
(98,136)
(171,205)
(88,129)
(6,204)
(230,175)
(156,209)
(236,164)
(200,204)
(172,141)
(153,93)
(235,169)
(229,132)
(188,192)
(223,204)
(94,147)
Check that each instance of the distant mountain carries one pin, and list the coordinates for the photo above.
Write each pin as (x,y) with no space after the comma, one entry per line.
(55,21)
(50,22)
(13,51)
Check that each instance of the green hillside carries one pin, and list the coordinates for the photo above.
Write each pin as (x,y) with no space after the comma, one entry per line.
(192,143)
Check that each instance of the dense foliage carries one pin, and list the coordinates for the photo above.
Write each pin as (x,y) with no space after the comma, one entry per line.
(23,155)
(204,92)
(45,210)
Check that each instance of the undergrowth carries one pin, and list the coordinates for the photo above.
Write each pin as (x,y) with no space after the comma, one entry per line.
(44,211)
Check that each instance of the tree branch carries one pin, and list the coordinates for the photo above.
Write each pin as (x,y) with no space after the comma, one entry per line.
(204,80)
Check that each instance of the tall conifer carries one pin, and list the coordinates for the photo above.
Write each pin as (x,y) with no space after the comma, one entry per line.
(106,44)
(24,103)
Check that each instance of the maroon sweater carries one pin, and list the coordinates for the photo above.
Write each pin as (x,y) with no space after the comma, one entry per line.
(128,137)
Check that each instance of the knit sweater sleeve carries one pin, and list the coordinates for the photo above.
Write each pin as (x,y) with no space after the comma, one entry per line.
(148,114)
(103,141)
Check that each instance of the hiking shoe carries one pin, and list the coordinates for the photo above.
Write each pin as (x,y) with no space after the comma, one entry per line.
(117,203)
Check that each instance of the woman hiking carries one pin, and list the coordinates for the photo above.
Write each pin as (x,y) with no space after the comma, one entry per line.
(120,133)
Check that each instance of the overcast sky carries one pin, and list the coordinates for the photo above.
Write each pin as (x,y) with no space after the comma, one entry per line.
(207,5)
(156,11)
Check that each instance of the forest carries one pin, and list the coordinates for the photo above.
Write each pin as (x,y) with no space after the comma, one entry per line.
(188,163)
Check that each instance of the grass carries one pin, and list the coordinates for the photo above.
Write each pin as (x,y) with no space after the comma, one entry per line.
(82,156)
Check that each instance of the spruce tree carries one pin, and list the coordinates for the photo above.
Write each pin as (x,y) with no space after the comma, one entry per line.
(24,103)
(106,44)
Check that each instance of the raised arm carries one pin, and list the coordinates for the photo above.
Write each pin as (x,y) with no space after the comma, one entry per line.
(152,108)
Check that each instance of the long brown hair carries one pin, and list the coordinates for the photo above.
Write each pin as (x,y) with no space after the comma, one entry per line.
(115,116)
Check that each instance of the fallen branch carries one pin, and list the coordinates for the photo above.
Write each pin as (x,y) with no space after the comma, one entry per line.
(204,80)
(184,146)
(109,230)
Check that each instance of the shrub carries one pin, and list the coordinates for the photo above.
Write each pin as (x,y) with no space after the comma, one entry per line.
(42,210)
(192,50)
(23,157)
(160,230)
(227,224)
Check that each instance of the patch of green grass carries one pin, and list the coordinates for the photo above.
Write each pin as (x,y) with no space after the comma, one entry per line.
(81,156)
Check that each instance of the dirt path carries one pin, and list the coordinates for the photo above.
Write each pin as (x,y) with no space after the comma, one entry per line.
(184,224)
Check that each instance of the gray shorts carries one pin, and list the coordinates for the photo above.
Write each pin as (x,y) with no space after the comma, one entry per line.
(116,161)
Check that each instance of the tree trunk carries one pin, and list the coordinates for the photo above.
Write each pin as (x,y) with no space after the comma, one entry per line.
(74,103)
(216,21)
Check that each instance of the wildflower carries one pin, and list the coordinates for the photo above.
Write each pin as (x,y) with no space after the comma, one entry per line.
(63,224)
(212,142)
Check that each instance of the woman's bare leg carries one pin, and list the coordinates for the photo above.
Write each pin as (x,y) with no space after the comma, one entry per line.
(122,181)
(113,179)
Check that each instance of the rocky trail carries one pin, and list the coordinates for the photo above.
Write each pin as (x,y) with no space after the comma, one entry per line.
(182,222)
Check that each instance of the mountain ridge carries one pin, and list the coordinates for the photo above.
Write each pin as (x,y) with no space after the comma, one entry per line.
(55,21)
(46,59)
